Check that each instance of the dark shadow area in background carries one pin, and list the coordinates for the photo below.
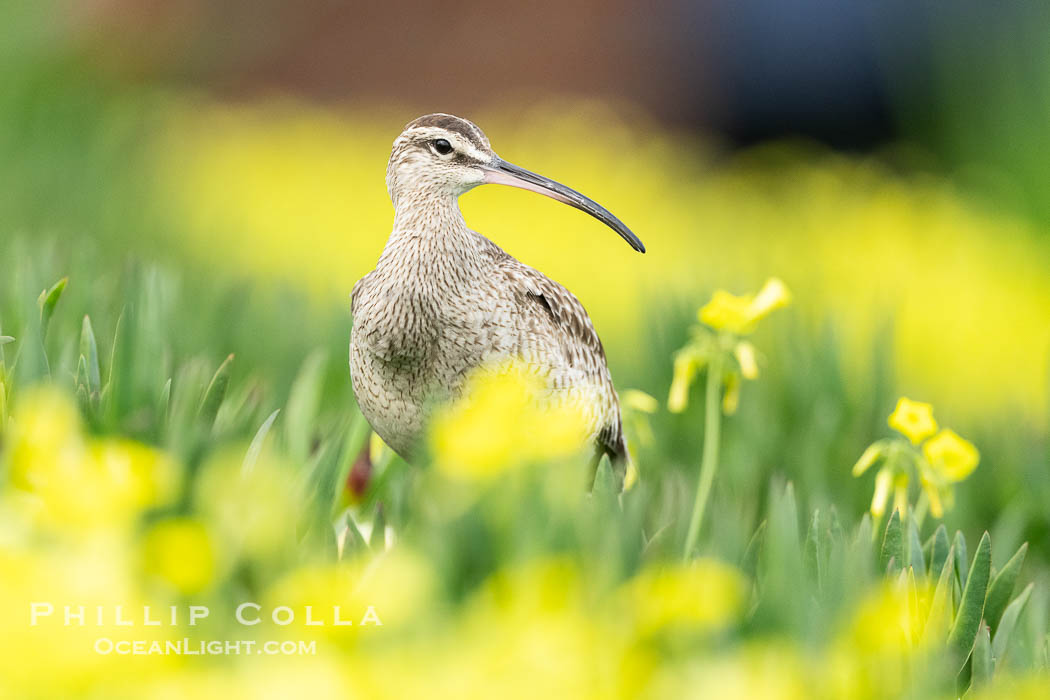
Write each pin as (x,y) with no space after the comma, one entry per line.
(828,70)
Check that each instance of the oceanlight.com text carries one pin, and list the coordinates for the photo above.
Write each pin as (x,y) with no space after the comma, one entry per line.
(198,647)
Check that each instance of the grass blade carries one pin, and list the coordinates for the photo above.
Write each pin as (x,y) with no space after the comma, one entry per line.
(80,378)
(915,558)
(1000,643)
(749,564)
(377,538)
(47,301)
(605,489)
(962,561)
(939,620)
(89,351)
(303,401)
(164,406)
(864,536)
(892,544)
(215,393)
(353,541)
(1002,587)
(971,606)
(982,665)
(116,354)
(255,448)
(813,551)
(940,551)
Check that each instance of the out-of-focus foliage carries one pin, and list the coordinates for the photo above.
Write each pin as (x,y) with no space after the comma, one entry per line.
(989,70)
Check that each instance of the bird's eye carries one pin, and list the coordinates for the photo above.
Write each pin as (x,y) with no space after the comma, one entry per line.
(441,146)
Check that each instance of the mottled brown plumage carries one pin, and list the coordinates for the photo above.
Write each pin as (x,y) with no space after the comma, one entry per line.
(444,300)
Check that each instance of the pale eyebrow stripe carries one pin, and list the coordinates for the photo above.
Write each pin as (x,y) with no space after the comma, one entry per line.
(462,144)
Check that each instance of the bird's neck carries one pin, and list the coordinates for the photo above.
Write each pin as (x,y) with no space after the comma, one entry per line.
(430,237)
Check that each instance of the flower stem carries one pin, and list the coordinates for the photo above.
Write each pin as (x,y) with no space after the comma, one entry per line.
(709,461)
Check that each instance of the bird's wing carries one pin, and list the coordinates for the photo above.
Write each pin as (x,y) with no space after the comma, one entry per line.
(356,291)
(560,320)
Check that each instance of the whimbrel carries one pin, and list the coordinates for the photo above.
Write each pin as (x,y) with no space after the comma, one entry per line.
(444,300)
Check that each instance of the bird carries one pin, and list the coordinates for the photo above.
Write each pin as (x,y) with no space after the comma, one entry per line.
(444,300)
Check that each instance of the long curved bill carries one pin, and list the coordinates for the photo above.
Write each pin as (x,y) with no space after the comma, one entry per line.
(500,172)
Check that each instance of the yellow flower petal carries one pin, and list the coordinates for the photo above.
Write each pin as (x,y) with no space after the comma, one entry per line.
(933,495)
(686,365)
(951,456)
(180,552)
(731,398)
(630,478)
(640,401)
(913,419)
(883,482)
(773,295)
(745,356)
(900,493)
(868,459)
(507,418)
(727,312)
(377,449)
(704,594)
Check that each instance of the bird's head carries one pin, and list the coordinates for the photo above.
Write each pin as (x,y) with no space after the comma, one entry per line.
(440,155)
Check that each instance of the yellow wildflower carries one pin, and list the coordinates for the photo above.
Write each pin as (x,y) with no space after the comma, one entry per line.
(890,621)
(773,295)
(883,482)
(136,475)
(388,590)
(78,484)
(913,419)
(46,443)
(180,552)
(900,492)
(945,458)
(506,419)
(951,456)
(745,356)
(686,364)
(728,312)
(529,631)
(703,594)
